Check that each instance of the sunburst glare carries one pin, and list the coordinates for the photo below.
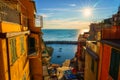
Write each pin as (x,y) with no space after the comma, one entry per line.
(87,12)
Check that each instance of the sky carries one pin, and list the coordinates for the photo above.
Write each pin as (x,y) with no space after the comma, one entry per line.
(69,14)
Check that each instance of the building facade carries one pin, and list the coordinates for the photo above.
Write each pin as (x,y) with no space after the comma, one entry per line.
(20,41)
(110,51)
(102,57)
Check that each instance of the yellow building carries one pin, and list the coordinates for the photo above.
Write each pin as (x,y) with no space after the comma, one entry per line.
(20,41)
(91,61)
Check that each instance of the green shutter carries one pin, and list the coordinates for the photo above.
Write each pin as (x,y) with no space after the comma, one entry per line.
(13,49)
(22,44)
(114,64)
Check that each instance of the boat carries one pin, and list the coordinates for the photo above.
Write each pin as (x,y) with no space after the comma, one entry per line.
(58,56)
(60,49)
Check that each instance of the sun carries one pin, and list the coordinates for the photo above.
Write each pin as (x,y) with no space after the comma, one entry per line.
(87,12)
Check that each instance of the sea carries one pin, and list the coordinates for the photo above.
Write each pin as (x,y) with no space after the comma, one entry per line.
(65,51)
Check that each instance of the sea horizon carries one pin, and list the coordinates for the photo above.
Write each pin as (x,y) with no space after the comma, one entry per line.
(60,34)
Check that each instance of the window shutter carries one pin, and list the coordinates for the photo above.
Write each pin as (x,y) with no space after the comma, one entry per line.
(114,64)
(13,49)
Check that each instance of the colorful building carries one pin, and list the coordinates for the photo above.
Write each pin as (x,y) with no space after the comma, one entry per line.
(20,41)
(102,57)
(80,54)
(110,51)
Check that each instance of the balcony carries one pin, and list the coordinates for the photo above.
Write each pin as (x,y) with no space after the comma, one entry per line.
(92,46)
(39,21)
(8,14)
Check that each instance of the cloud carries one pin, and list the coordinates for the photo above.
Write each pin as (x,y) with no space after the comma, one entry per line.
(63,9)
(46,15)
(66,24)
(56,9)
(72,5)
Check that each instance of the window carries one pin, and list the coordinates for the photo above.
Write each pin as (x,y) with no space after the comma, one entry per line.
(31,45)
(13,49)
(92,65)
(114,64)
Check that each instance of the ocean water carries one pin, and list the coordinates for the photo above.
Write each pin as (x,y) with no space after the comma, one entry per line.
(63,50)
(66,51)
(60,34)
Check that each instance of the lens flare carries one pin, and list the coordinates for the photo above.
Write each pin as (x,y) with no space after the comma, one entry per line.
(87,12)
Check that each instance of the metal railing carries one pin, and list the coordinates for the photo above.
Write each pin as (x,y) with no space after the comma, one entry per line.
(61,42)
(8,14)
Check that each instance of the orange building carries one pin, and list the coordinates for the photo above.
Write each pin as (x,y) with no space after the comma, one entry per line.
(110,51)
(20,41)
(34,40)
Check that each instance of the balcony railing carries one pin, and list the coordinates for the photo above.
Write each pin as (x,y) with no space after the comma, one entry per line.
(8,14)
(39,21)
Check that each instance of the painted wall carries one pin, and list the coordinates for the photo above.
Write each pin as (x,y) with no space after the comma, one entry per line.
(18,61)
(3,60)
(36,68)
(28,9)
(111,33)
(89,74)
(106,55)
(14,50)
(13,57)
